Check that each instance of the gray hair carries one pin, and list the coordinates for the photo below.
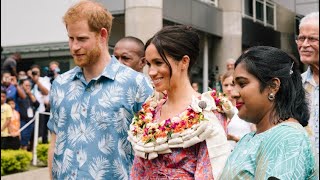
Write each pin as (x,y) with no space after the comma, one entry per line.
(309,17)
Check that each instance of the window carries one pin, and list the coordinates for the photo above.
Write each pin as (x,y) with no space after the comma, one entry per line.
(261,11)
(270,14)
(212,2)
(248,8)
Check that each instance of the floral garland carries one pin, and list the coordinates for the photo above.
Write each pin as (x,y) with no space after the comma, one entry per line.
(144,130)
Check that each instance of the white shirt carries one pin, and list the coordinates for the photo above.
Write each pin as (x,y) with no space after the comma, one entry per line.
(238,128)
(45,81)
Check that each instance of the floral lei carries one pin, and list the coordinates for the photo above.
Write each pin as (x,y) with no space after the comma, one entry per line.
(144,129)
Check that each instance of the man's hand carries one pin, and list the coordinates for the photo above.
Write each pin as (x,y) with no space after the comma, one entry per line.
(35,77)
(14,81)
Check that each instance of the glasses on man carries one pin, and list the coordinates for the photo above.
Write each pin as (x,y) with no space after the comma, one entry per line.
(311,39)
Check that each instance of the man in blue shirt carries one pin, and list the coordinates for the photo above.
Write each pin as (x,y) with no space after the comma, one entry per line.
(10,85)
(92,104)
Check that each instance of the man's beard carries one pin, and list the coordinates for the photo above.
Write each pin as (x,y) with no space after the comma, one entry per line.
(90,58)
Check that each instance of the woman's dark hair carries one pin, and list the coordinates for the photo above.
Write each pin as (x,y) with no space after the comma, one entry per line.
(266,63)
(176,41)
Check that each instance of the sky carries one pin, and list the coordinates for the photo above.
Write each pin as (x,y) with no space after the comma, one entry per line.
(33,21)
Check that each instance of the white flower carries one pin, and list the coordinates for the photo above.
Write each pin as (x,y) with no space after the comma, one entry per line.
(206,102)
(153,104)
(211,104)
(152,125)
(195,104)
(226,104)
(148,116)
(175,119)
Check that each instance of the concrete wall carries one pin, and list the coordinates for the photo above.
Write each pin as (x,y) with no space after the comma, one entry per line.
(143,18)
(230,46)
(286,26)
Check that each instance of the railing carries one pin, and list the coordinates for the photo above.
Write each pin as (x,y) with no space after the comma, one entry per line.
(35,119)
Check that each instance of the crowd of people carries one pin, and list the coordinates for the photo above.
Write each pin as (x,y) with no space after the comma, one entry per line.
(110,120)
(26,93)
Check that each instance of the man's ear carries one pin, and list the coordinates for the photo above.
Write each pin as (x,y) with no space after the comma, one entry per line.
(143,62)
(104,34)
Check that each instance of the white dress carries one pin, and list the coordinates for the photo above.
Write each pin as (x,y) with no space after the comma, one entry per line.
(238,128)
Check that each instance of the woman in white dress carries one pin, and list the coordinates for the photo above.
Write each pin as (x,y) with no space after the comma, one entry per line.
(236,127)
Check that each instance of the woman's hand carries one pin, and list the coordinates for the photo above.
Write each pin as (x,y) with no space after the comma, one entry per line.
(232,137)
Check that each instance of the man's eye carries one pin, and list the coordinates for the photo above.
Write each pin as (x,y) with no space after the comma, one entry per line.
(313,39)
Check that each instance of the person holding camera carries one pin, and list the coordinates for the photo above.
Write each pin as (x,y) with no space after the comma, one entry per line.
(28,107)
(40,89)
(9,84)
(53,70)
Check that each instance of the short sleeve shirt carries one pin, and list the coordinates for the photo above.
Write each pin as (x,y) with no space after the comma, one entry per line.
(6,113)
(91,120)
(312,93)
(9,64)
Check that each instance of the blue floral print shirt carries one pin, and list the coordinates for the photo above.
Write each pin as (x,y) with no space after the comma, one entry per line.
(91,120)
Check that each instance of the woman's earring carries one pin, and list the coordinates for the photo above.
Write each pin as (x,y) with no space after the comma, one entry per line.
(271,96)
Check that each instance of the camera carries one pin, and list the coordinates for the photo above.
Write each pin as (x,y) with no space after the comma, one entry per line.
(34,73)
(50,73)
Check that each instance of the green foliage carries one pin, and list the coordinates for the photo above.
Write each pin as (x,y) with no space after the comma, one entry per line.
(13,161)
(42,153)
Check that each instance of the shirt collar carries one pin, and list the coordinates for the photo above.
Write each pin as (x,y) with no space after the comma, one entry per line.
(109,71)
(308,76)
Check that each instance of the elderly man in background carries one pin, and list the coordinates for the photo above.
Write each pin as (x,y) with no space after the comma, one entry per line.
(308,46)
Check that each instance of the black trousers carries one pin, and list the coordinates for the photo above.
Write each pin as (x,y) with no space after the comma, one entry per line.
(43,129)
(10,142)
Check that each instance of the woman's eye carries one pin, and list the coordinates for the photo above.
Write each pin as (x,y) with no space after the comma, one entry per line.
(158,63)
(242,85)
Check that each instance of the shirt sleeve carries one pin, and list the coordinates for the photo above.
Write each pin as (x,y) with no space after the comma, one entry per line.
(143,92)
(51,122)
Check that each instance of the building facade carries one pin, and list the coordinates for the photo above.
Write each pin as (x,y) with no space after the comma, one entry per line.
(226,29)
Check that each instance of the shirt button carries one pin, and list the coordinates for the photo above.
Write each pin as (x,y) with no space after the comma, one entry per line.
(81,132)
(73,174)
(83,109)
